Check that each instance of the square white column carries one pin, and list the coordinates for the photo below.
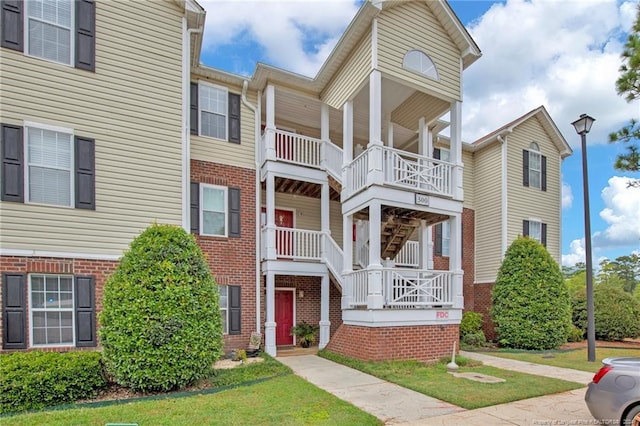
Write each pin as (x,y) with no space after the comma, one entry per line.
(270,324)
(325,324)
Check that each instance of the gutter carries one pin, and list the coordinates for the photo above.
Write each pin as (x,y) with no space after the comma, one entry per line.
(256,114)
(504,197)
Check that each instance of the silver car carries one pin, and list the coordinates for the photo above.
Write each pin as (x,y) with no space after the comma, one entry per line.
(613,396)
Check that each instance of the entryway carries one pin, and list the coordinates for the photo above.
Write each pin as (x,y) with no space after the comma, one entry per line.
(285,315)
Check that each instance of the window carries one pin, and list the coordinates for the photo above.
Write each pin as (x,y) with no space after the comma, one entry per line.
(420,62)
(224,307)
(51,305)
(213,216)
(536,230)
(49,166)
(49,29)
(446,237)
(534,167)
(213,111)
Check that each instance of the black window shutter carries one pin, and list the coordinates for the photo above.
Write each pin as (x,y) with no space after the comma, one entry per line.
(234,212)
(12,163)
(85,159)
(194,108)
(12,24)
(85,312)
(543,234)
(525,167)
(437,250)
(234,310)
(234,118)
(436,153)
(86,34)
(14,311)
(525,228)
(543,172)
(195,207)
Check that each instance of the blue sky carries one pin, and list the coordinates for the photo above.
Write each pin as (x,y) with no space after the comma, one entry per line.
(561,54)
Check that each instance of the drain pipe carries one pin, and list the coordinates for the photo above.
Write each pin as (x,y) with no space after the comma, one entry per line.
(256,114)
(504,196)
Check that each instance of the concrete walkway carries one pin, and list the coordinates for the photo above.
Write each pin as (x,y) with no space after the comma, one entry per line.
(394,404)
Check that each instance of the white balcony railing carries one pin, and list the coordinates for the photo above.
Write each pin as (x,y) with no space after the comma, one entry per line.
(356,174)
(298,149)
(409,255)
(403,288)
(294,244)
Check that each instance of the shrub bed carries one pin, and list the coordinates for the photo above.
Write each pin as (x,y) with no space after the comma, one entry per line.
(33,380)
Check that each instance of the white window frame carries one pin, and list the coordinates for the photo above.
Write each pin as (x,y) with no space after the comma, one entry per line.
(224,310)
(431,72)
(32,310)
(72,32)
(203,187)
(534,150)
(537,235)
(446,238)
(445,152)
(31,125)
(201,86)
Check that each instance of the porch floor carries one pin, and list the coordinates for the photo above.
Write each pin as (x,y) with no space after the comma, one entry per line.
(296,351)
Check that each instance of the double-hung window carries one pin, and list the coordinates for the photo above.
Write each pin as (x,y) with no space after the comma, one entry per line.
(536,230)
(52,312)
(224,307)
(534,167)
(213,214)
(49,176)
(50,28)
(213,111)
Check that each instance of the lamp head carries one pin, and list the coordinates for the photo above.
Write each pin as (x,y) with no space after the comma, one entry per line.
(583,124)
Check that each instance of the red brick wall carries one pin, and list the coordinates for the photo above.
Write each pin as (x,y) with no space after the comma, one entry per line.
(421,343)
(232,260)
(100,269)
(482,304)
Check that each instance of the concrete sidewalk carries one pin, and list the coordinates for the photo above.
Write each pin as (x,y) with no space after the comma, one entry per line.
(394,404)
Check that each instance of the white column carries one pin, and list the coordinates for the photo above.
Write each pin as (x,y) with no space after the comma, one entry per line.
(389,124)
(270,207)
(426,250)
(347,132)
(325,324)
(456,149)
(347,248)
(455,259)
(423,138)
(270,323)
(270,100)
(375,174)
(324,217)
(375,299)
(324,134)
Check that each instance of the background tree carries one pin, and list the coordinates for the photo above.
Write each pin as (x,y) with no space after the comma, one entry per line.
(628,85)
(161,327)
(623,272)
(531,302)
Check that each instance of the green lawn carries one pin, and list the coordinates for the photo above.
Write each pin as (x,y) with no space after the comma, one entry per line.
(433,380)
(284,400)
(574,358)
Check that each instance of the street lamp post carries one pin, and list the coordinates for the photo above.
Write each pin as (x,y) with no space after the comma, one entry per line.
(583,126)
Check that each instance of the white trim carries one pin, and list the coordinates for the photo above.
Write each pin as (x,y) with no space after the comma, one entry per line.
(201,84)
(225,189)
(226,309)
(72,36)
(56,254)
(504,197)
(293,290)
(72,310)
(374,43)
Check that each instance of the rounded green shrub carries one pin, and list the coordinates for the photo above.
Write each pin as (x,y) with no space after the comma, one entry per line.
(471,323)
(531,304)
(34,380)
(474,340)
(161,327)
(616,312)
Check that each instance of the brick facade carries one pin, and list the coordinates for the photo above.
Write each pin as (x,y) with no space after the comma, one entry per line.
(482,304)
(421,343)
(232,260)
(99,269)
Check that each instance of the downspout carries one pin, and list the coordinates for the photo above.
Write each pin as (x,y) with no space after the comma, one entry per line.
(186,125)
(504,204)
(256,115)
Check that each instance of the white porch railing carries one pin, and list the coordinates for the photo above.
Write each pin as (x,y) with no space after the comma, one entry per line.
(298,149)
(409,255)
(295,244)
(356,174)
(417,172)
(403,288)
(334,258)
(332,155)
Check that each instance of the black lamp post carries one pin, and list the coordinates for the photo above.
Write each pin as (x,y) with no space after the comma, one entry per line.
(583,126)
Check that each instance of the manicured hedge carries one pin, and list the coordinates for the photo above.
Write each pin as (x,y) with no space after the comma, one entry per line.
(32,380)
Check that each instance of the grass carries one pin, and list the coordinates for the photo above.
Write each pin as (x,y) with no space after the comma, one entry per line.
(571,358)
(283,400)
(433,380)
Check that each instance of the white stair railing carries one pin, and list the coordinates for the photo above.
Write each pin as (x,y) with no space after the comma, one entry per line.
(334,258)
(333,155)
(409,255)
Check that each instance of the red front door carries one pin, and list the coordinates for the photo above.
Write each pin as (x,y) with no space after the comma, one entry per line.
(284,317)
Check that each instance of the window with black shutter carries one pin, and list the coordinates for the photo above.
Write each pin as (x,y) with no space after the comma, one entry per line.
(14,311)
(235,310)
(11,168)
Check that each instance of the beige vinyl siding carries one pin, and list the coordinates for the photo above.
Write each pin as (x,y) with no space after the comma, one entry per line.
(531,203)
(131,106)
(353,74)
(488,212)
(468,180)
(412,25)
(220,151)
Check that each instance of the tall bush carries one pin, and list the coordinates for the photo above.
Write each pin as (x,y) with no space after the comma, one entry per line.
(161,327)
(531,303)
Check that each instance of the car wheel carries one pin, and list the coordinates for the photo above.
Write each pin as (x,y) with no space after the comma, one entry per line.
(633,417)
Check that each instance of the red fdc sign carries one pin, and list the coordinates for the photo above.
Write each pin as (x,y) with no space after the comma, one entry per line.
(442,314)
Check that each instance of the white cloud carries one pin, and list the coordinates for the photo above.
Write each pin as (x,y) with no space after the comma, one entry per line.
(563,54)
(576,254)
(295,35)
(567,195)
(622,215)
